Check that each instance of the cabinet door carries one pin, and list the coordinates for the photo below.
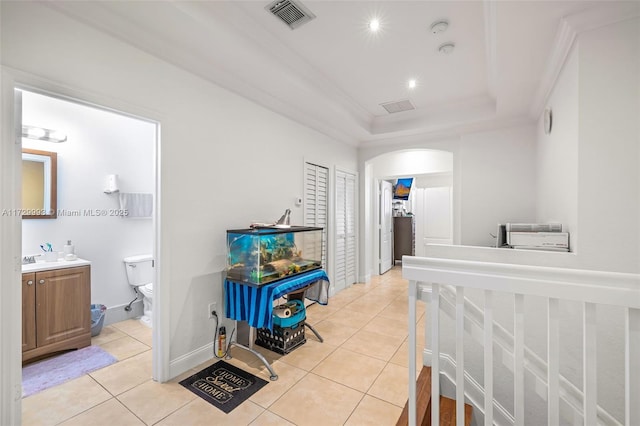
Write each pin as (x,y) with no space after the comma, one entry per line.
(63,299)
(28,311)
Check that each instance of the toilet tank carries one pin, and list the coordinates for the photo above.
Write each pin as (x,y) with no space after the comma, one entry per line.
(139,269)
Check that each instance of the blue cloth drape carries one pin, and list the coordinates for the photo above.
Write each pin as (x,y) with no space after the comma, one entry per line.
(255,304)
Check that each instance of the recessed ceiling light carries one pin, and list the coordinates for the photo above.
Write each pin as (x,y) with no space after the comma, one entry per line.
(446,48)
(411,84)
(439,26)
(374,25)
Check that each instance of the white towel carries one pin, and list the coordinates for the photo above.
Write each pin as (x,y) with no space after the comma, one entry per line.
(136,205)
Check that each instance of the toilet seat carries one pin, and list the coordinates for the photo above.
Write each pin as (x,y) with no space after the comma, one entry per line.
(146,290)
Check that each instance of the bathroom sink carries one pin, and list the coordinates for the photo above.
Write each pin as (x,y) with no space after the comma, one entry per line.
(41,265)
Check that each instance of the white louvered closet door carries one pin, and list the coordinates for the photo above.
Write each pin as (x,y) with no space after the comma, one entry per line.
(316,206)
(345,255)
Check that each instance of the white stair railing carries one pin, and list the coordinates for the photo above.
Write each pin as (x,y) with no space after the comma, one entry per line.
(589,287)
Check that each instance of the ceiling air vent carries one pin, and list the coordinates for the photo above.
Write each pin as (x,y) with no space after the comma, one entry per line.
(398,106)
(291,12)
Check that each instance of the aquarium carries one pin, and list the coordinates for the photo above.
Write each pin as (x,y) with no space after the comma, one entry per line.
(261,256)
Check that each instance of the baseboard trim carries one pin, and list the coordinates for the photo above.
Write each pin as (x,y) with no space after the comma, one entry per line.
(116,314)
(190,360)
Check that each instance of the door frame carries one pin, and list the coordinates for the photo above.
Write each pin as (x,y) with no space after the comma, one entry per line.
(11,233)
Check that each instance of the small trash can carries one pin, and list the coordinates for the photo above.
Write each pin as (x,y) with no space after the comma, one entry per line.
(97,318)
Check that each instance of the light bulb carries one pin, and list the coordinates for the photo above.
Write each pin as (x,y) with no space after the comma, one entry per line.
(374,25)
(36,132)
(412,84)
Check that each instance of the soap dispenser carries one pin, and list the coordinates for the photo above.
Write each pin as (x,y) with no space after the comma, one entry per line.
(69,249)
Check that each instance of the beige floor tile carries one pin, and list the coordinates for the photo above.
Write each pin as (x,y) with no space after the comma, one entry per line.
(392,385)
(130,326)
(307,356)
(351,318)
(391,292)
(269,419)
(373,344)
(388,327)
(152,401)
(367,306)
(124,347)
(316,313)
(124,375)
(334,333)
(108,413)
(315,400)
(401,357)
(288,376)
(374,412)
(343,298)
(144,336)
(107,334)
(350,369)
(200,413)
(62,402)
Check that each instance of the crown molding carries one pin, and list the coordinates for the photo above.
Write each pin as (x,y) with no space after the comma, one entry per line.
(448,133)
(570,28)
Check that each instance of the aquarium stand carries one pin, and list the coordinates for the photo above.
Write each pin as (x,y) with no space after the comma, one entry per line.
(253,306)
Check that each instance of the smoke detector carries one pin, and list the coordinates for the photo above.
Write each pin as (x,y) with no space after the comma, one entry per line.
(439,26)
(291,12)
(446,48)
(398,106)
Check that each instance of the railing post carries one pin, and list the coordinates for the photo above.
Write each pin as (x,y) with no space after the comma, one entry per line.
(488,358)
(632,367)
(460,356)
(413,293)
(553,360)
(589,349)
(518,359)
(435,354)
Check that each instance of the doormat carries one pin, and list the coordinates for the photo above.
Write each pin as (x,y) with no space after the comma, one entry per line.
(223,385)
(53,371)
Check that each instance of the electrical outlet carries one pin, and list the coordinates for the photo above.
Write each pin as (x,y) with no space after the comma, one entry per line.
(211,308)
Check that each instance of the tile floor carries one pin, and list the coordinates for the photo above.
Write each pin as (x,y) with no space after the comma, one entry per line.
(358,376)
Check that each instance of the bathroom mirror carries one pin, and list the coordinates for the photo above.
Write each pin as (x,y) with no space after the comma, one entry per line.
(39,184)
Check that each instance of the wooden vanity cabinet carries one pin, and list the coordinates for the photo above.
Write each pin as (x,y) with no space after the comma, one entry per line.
(56,313)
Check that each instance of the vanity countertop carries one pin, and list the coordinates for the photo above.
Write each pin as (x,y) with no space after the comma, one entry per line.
(41,265)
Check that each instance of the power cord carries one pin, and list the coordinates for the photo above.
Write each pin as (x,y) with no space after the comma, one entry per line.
(215,338)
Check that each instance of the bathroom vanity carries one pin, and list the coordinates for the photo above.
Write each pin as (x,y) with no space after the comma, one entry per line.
(56,297)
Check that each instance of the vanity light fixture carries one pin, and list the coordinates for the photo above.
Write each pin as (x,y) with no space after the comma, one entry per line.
(47,135)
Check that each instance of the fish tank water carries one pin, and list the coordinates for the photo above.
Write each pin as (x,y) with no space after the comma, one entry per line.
(261,256)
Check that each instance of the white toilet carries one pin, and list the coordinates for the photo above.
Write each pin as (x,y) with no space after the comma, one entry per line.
(140,275)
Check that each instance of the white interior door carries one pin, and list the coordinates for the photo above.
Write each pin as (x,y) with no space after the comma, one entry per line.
(345,253)
(386,226)
(316,205)
(434,217)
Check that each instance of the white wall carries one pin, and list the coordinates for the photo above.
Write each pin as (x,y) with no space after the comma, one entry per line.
(609,142)
(497,182)
(99,143)
(557,155)
(224,160)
